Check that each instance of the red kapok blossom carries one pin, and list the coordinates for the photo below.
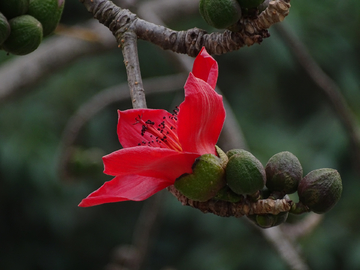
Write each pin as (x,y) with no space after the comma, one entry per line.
(158,146)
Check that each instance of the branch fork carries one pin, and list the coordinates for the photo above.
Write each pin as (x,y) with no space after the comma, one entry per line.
(191,41)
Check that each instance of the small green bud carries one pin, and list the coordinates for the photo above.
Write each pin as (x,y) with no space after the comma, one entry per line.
(320,190)
(268,220)
(244,173)
(283,173)
(226,194)
(232,152)
(280,218)
(220,14)
(265,221)
(205,181)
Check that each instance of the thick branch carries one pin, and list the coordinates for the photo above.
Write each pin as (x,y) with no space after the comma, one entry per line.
(242,208)
(191,41)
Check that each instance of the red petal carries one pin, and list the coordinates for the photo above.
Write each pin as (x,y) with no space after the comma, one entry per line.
(149,161)
(206,68)
(124,188)
(201,117)
(130,124)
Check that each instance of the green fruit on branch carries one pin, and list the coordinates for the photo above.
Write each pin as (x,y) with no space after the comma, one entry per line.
(226,194)
(48,12)
(320,190)
(268,220)
(283,173)
(205,181)
(25,37)
(265,221)
(245,175)
(13,8)
(249,3)
(4,28)
(232,152)
(220,14)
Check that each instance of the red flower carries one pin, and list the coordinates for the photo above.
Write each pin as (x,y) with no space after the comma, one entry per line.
(158,146)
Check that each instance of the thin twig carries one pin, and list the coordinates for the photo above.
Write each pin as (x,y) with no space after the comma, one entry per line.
(302,227)
(327,86)
(133,256)
(131,60)
(144,228)
(288,252)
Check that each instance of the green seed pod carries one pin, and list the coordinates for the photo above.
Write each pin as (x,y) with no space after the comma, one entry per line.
(244,173)
(265,221)
(232,152)
(205,181)
(268,220)
(25,36)
(280,218)
(320,190)
(263,6)
(48,12)
(249,3)
(220,14)
(13,8)
(283,173)
(226,194)
(4,28)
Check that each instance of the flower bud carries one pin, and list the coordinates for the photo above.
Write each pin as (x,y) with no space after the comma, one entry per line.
(226,194)
(268,220)
(220,14)
(205,181)
(320,190)
(244,173)
(283,173)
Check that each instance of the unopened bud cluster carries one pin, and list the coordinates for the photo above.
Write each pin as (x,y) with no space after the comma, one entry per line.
(24,23)
(239,176)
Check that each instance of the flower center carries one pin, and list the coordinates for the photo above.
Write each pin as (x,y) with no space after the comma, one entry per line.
(161,135)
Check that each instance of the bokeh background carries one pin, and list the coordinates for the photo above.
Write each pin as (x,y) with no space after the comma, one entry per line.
(277,105)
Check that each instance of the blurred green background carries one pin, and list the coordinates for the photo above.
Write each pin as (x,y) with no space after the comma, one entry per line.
(276,104)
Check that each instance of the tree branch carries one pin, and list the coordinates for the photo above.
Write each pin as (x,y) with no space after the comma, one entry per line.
(131,60)
(242,208)
(191,41)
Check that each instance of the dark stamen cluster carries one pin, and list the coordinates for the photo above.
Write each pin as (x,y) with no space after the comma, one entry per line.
(173,116)
(148,126)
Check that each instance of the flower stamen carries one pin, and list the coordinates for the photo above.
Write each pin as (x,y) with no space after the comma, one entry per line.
(162,135)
